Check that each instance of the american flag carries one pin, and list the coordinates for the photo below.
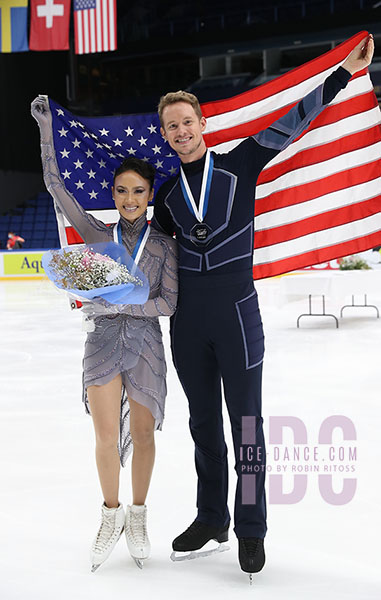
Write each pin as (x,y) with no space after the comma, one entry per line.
(94,26)
(317,200)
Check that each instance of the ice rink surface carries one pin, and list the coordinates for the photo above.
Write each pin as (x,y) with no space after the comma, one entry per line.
(50,495)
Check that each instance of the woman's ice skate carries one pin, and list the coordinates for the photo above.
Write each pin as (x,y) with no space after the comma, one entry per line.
(136,533)
(195,537)
(111,529)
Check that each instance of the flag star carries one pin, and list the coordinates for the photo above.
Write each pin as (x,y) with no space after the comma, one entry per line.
(129,131)
(63,132)
(99,145)
(64,153)
(79,184)
(121,155)
(162,175)
(73,123)
(78,164)
(85,134)
(170,155)
(91,174)
(89,153)
(104,131)
(60,112)
(111,155)
(95,137)
(172,170)
(145,158)
(142,141)
(131,150)
(66,174)
(159,164)
(117,142)
(93,194)
(105,184)
(101,163)
(76,143)
(156,149)
(152,128)
(80,125)
(107,146)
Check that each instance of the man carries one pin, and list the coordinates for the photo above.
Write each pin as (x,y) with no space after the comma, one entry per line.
(216,332)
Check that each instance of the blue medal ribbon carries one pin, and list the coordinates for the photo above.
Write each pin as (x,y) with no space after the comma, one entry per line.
(138,243)
(204,202)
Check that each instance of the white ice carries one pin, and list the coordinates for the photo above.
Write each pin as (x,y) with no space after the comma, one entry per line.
(50,496)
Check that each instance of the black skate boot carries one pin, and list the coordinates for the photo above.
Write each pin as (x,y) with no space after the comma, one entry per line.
(251,554)
(196,536)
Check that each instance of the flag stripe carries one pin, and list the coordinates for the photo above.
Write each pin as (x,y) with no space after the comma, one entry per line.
(96,26)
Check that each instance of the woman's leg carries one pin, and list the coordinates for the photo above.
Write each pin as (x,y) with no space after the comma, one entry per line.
(142,426)
(104,401)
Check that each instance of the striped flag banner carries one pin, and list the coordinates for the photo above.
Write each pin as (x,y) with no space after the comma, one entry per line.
(318,200)
(94,26)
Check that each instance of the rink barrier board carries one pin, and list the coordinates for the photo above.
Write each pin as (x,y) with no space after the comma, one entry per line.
(22,264)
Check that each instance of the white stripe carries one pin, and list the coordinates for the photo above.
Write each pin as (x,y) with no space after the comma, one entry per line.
(317,206)
(99,30)
(105,25)
(268,105)
(79,32)
(112,24)
(198,212)
(92,29)
(320,170)
(329,133)
(321,239)
(86,30)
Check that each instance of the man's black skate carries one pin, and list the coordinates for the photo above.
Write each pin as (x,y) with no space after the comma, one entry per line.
(251,554)
(196,536)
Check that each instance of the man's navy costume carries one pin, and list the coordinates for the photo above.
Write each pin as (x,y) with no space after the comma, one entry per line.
(217,329)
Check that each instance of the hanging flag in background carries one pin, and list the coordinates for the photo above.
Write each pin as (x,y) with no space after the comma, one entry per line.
(49,25)
(318,200)
(13,25)
(94,26)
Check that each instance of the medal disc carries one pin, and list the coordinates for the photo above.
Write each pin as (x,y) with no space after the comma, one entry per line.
(200,234)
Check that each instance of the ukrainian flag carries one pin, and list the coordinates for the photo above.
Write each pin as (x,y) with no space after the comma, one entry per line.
(13,25)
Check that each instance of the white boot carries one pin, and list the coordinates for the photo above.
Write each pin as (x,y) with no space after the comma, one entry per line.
(111,529)
(136,533)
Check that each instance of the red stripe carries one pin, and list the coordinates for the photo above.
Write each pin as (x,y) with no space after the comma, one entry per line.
(313,156)
(315,257)
(72,236)
(286,81)
(76,33)
(329,115)
(313,224)
(309,191)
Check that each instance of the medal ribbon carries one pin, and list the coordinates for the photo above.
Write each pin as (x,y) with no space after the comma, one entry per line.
(199,212)
(139,246)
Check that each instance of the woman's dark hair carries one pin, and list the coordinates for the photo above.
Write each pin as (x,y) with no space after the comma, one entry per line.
(142,168)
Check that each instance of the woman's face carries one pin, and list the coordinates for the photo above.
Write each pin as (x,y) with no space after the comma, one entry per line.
(131,194)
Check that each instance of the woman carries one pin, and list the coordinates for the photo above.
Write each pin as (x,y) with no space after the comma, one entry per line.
(124,366)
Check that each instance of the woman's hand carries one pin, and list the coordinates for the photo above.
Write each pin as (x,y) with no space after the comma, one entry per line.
(361,56)
(41,112)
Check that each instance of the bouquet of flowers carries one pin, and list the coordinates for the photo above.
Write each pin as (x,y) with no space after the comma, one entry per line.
(351,263)
(103,270)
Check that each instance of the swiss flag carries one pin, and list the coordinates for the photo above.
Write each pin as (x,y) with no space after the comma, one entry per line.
(49,27)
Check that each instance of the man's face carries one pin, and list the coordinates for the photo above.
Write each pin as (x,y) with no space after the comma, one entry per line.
(183,131)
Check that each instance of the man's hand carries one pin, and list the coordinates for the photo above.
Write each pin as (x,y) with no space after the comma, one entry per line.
(361,56)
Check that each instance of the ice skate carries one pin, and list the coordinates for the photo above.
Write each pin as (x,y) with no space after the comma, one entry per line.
(251,554)
(136,533)
(195,537)
(110,530)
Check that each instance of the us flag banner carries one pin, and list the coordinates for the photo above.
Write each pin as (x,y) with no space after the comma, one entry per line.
(94,26)
(318,200)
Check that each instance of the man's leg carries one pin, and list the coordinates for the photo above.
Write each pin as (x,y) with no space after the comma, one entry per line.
(196,365)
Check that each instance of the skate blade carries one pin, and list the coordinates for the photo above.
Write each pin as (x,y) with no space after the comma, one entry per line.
(178,557)
(94,568)
(139,563)
(251,578)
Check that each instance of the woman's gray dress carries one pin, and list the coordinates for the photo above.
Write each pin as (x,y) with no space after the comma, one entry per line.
(130,342)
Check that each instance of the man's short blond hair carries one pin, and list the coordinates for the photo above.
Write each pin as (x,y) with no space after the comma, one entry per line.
(180,96)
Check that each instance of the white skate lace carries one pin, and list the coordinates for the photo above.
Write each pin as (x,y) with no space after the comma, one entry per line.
(106,533)
(138,528)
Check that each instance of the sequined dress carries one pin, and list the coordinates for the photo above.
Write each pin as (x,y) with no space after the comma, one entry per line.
(130,342)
